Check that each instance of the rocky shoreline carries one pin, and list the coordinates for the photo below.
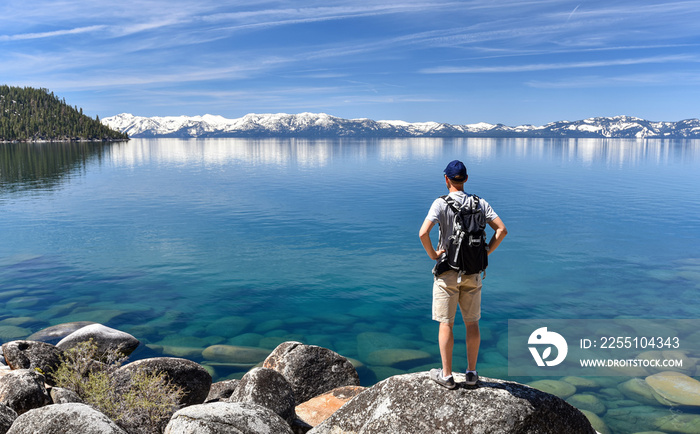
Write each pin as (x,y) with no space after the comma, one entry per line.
(297,389)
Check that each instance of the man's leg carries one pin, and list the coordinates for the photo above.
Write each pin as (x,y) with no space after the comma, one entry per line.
(473,342)
(445,300)
(446,342)
(470,305)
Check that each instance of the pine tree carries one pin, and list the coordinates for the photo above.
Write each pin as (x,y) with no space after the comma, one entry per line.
(29,114)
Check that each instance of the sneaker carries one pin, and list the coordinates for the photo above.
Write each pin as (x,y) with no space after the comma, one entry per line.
(472,378)
(436,376)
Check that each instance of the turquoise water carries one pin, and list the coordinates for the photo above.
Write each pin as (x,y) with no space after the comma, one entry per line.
(192,243)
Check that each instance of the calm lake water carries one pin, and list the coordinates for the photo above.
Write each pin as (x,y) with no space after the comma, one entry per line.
(191,243)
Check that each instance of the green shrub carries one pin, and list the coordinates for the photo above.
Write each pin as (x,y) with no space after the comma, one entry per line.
(144,407)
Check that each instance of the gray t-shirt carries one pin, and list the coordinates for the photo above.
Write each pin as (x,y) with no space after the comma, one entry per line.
(441,214)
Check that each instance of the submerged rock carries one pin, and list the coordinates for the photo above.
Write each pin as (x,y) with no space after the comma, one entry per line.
(412,403)
(227,418)
(235,354)
(54,334)
(10,332)
(229,326)
(369,342)
(582,384)
(638,390)
(673,388)
(311,370)
(558,388)
(596,422)
(398,357)
(587,402)
(645,418)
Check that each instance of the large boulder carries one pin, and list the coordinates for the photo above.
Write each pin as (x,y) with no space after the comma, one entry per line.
(221,390)
(320,408)
(311,370)
(60,395)
(227,418)
(23,390)
(32,355)
(412,403)
(268,388)
(104,337)
(194,380)
(70,418)
(55,333)
(7,418)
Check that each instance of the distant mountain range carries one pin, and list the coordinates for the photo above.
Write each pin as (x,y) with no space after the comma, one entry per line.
(322,125)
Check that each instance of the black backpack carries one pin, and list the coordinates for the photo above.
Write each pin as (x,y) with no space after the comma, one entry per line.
(466,247)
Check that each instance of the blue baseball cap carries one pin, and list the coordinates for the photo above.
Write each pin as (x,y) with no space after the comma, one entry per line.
(456,171)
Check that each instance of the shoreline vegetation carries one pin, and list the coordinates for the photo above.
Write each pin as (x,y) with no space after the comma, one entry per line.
(30,115)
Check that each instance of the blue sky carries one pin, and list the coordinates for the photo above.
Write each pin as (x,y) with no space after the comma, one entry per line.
(513,62)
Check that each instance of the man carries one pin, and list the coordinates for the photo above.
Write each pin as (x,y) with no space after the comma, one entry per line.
(451,288)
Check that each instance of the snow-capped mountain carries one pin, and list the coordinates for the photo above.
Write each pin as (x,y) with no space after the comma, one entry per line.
(323,125)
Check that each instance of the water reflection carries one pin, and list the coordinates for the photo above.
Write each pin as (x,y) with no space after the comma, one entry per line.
(47,165)
(319,153)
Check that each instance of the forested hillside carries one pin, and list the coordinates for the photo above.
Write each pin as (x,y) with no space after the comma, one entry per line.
(28,114)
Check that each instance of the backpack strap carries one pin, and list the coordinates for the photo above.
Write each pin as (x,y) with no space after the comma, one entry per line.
(456,206)
(451,203)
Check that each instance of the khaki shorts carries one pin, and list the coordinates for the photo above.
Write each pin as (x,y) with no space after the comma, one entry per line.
(448,294)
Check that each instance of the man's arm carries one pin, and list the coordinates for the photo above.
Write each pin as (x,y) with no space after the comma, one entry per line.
(501,232)
(424,235)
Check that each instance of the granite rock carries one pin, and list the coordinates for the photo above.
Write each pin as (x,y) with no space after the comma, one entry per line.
(23,390)
(412,403)
(190,376)
(320,408)
(268,388)
(105,338)
(72,418)
(7,417)
(32,355)
(221,390)
(311,370)
(60,395)
(227,418)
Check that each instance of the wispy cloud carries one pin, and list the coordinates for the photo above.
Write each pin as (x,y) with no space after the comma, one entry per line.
(553,66)
(52,34)
(333,52)
(596,81)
